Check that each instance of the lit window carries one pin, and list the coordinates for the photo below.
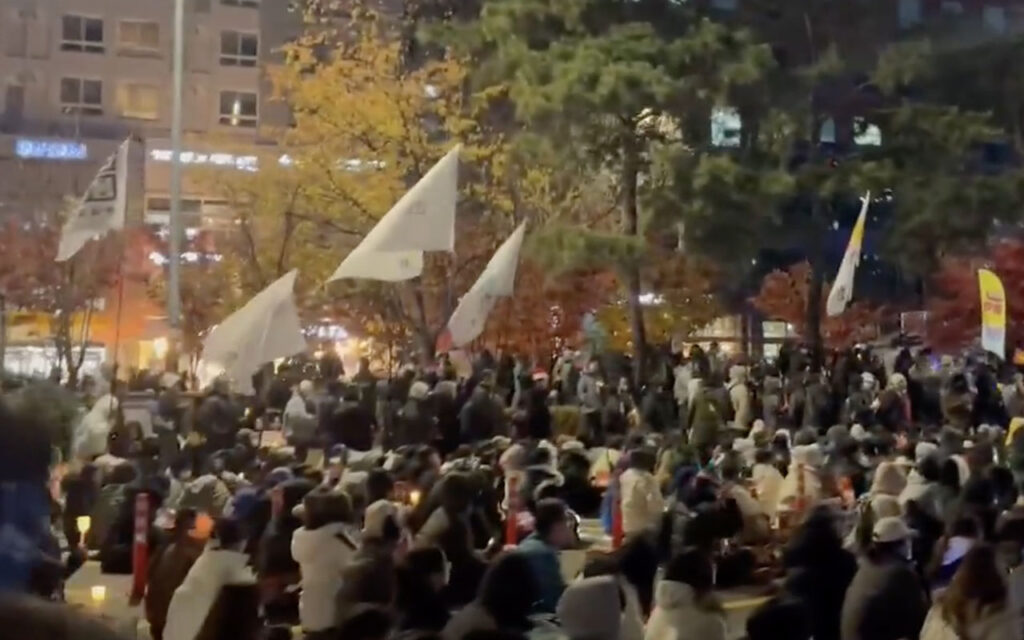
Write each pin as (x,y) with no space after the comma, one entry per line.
(994,18)
(726,127)
(238,109)
(80,96)
(79,33)
(910,13)
(140,101)
(866,134)
(239,49)
(138,35)
(241,3)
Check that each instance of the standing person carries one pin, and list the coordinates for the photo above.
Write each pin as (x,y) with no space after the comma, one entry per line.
(222,563)
(415,422)
(168,569)
(739,396)
(217,418)
(482,417)
(886,600)
(685,605)
(351,424)
(642,502)
(323,548)
(299,420)
(976,605)
(366,385)
(551,534)
(589,392)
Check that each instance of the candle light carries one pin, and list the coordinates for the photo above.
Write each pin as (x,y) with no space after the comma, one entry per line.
(414,497)
(83,523)
(98,592)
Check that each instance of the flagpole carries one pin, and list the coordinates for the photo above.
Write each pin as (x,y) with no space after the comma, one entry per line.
(175,223)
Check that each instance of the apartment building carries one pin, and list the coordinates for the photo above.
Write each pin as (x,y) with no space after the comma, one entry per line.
(78,76)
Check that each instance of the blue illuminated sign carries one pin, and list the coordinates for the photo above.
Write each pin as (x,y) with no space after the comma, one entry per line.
(50,149)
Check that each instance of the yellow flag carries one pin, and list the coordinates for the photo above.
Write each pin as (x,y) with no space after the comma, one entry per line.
(993,313)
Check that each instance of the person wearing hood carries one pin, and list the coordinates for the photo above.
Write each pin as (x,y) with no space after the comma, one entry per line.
(299,419)
(323,548)
(551,534)
(685,605)
(415,422)
(805,492)
(819,571)
(893,410)
(767,482)
(923,486)
(739,396)
(590,609)
(885,600)
(93,433)
(505,599)
(222,563)
(642,502)
(370,576)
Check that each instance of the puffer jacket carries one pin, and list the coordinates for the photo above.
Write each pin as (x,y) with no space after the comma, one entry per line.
(322,554)
(680,614)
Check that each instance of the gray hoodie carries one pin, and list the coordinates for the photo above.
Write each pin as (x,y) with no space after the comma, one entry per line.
(590,609)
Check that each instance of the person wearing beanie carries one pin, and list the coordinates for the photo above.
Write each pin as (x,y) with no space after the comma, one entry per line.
(323,547)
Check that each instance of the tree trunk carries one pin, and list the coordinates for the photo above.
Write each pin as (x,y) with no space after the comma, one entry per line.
(424,335)
(813,325)
(631,227)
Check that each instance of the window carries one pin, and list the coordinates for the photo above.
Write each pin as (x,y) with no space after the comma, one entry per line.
(140,101)
(726,127)
(238,109)
(239,49)
(82,34)
(910,13)
(138,35)
(241,3)
(81,96)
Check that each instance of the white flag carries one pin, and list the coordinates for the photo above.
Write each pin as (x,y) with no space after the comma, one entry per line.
(842,288)
(102,209)
(422,220)
(265,329)
(496,281)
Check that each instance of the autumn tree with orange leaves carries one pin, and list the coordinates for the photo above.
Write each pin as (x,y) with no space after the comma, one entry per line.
(783,296)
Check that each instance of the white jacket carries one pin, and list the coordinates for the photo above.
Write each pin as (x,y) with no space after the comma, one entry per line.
(322,555)
(642,502)
(998,625)
(192,601)
(94,429)
(677,616)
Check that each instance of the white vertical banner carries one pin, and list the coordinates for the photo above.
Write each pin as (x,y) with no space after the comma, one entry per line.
(102,208)
(842,288)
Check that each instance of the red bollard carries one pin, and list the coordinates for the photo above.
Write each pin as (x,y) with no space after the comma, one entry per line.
(140,547)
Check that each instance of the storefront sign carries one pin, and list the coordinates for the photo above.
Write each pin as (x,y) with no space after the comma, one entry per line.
(30,148)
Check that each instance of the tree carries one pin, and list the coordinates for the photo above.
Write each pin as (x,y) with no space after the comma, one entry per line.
(66,292)
(803,155)
(954,304)
(610,85)
(783,296)
(368,123)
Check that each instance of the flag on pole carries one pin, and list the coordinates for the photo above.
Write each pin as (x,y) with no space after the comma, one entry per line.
(993,313)
(101,210)
(422,220)
(842,288)
(496,281)
(265,329)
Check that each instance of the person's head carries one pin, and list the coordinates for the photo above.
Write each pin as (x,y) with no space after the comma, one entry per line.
(590,609)
(324,506)
(509,591)
(779,619)
(456,493)
(929,468)
(379,485)
(977,588)
(306,388)
(184,521)
(552,522)
(958,383)
(366,622)
(380,522)
(731,466)
(890,538)
(428,564)
(228,534)
(691,567)
(643,458)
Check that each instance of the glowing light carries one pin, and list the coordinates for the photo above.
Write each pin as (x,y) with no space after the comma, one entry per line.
(82,523)
(98,593)
(30,148)
(160,348)
(650,299)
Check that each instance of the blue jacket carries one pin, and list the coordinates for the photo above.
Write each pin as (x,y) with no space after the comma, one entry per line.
(543,559)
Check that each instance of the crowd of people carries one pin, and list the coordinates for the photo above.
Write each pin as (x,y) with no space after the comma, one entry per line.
(865,500)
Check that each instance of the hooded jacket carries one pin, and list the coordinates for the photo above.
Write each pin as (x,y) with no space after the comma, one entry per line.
(193,600)
(322,554)
(679,615)
(94,429)
(590,609)
(642,502)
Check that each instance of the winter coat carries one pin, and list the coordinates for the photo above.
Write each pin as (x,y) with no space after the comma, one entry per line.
(167,570)
(415,424)
(927,495)
(546,569)
(193,600)
(885,601)
(322,555)
(642,502)
(739,395)
(706,419)
(678,614)
(819,577)
(206,494)
(589,393)
(94,429)
(351,425)
(217,417)
(482,417)
(590,609)
(806,460)
(767,482)
(299,423)
(999,624)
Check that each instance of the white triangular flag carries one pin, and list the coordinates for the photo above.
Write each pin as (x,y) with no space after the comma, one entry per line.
(842,288)
(422,220)
(496,281)
(102,208)
(265,329)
